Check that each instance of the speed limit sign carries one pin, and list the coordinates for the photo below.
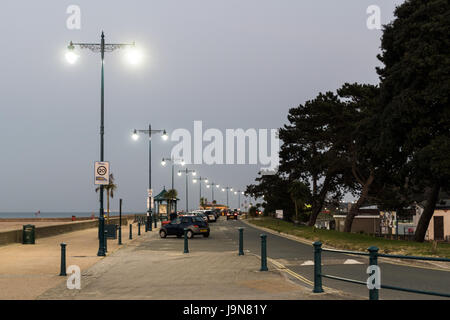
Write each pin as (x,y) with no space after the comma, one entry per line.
(101,173)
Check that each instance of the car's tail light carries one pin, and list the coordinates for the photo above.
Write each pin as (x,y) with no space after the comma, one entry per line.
(195,226)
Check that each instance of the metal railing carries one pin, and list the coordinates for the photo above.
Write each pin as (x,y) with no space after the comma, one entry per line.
(373,261)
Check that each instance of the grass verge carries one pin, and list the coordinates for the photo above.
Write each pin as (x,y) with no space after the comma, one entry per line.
(355,241)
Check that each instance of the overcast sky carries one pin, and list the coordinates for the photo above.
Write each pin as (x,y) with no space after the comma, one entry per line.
(229,63)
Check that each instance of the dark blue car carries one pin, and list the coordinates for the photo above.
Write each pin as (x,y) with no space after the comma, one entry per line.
(194,224)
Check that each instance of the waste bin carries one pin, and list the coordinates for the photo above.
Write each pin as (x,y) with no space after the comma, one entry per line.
(28,234)
(74,218)
(111,231)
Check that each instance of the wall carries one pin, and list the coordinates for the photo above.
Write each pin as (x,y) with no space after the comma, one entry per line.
(430,230)
(15,236)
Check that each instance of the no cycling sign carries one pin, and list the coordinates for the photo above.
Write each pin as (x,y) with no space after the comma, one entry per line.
(101,175)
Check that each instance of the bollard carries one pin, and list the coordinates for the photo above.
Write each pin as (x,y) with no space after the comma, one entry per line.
(120,235)
(139,228)
(106,241)
(63,260)
(155,225)
(149,222)
(317,267)
(263,253)
(131,231)
(146,225)
(241,241)
(373,261)
(186,247)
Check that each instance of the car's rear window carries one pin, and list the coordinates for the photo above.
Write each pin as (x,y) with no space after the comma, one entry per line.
(197,219)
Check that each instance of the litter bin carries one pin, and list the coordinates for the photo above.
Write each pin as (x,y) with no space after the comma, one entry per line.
(74,218)
(111,231)
(28,234)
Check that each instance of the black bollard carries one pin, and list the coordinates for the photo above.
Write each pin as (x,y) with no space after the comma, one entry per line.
(263,253)
(106,241)
(241,241)
(186,246)
(154,219)
(63,260)
(139,229)
(131,232)
(120,222)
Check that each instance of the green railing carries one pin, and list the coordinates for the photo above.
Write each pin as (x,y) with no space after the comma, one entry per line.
(373,261)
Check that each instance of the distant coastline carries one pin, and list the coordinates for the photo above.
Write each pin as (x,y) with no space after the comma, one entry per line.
(12,215)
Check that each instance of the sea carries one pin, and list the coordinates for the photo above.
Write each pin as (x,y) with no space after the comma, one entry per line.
(10,215)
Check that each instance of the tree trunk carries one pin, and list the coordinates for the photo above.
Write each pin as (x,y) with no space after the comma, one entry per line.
(318,202)
(427,214)
(354,209)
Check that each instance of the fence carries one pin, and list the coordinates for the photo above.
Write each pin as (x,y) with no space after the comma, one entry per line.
(373,261)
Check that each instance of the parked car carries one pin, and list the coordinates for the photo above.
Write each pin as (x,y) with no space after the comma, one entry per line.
(201,215)
(232,215)
(211,216)
(194,224)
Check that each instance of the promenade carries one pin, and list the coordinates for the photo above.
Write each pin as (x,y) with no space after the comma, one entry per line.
(26,271)
(152,268)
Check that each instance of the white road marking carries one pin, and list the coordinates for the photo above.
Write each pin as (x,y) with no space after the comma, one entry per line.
(308,263)
(351,261)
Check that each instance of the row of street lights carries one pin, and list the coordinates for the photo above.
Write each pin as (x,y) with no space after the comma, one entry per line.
(134,58)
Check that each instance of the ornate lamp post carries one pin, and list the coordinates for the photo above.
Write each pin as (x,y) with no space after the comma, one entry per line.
(72,57)
(172,160)
(186,172)
(135,136)
(227,189)
(200,179)
(212,184)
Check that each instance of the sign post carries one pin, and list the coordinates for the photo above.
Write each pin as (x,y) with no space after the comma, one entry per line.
(101,174)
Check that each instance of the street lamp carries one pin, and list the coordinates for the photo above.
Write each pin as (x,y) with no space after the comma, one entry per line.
(227,189)
(239,192)
(72,57)
(172,160)
(186,172)
(212,184)
(200,179)
(135,136)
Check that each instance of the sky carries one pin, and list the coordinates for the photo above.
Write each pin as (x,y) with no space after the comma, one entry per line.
(230,64)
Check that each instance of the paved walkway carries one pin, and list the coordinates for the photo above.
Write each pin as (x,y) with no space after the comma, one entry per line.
(154,268)
(26,271)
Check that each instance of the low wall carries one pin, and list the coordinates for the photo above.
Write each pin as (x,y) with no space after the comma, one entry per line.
(15,236)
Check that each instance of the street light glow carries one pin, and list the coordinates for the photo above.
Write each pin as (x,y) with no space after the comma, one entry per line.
(134,56)
(206,181)
(165,136)
(194,173)
(179,173)
(135,136)
(194,180)
(71,57)
(163,163)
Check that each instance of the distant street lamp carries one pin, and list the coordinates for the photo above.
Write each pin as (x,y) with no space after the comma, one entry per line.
(227,189)
(72,57)
(172,160)
(186,172)
(239,192)
(212,184)
(135,137)
(200,179)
